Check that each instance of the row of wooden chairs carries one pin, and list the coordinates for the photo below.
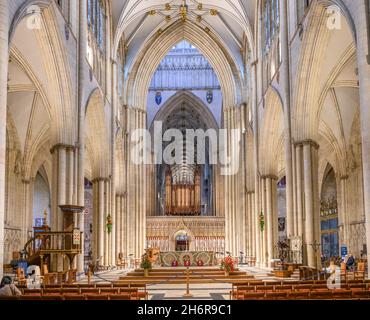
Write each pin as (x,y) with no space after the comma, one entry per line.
(72,297)
(97,285)
(134,292)
(295,282)
(306,295)
(240,290)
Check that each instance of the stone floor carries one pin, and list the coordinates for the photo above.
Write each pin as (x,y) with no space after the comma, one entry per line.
(211,291)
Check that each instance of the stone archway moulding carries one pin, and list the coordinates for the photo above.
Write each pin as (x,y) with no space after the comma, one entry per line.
(140,76)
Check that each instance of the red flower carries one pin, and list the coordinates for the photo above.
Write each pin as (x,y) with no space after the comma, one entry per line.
(228,264)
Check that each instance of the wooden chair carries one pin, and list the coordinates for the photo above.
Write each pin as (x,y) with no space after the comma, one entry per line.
(276,295)
(254,296)
(109,291)
(360,273)
(85,285)
(131,291)
(120,297)
(21,278)
(71,291)
(96,297)
(240,291)
(75,297)
(321,295)
(51,291)
(298,295)
(342,294)
(89,291)
(52,297)
(104,285)
(72,276)
(360,294)
(357,286)
(31,297)
(26,291)
(303,287)
(10,298)
(265,288)
(320,287)
(70,285)
(284,288)
(49,278)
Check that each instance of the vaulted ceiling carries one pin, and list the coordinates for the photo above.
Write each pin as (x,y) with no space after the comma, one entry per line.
(137,20)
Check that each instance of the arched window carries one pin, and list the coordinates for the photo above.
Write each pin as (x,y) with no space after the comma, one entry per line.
(271,44)
(271,20)
(96,21)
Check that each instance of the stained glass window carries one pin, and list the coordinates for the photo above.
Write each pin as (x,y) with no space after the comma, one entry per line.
(96,21)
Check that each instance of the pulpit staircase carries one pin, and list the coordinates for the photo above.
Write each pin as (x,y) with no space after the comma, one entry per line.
(44,244)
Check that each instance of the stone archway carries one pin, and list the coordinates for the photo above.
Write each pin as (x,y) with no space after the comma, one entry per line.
(225,67)
(184,232)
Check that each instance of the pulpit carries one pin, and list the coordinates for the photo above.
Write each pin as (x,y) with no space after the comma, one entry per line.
(72,237)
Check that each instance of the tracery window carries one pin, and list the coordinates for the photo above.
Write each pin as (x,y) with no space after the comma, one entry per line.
(271,19)
(271,45)
(96,19)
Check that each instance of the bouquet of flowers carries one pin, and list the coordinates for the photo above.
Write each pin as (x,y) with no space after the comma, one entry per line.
(146,264)
(200,263)
(227,264)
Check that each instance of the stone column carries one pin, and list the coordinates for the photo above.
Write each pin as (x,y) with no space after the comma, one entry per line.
(363,60)
(299,187)
(343,211)
(4,55)
(253,225)
(271,216)
(101,221)
(82,49)
(100,196)
(27,212)
(136,188)
(117,223)
(264,232)
(107,236)
(311,198)
(114,110)
(59,194)
(285,77)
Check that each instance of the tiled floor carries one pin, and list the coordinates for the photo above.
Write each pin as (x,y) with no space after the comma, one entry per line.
(211,291)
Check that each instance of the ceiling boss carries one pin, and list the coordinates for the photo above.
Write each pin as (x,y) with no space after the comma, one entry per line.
(183,10)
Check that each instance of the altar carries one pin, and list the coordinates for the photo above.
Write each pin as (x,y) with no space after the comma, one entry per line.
(207,258)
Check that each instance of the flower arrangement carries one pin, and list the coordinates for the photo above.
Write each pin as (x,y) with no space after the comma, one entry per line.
(200,263)
(187,261)
(175,263)
(109,223)
(227,264)
(146,264)
(262,222)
